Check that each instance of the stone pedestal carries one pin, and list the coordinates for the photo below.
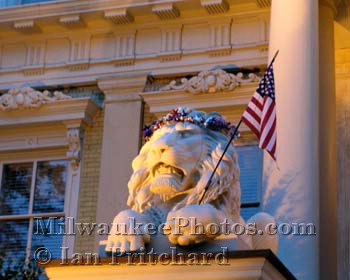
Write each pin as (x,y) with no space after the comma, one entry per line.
(238,265)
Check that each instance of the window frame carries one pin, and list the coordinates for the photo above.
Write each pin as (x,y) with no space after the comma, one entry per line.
(30,216)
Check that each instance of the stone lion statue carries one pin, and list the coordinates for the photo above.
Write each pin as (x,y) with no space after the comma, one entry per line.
(169,177)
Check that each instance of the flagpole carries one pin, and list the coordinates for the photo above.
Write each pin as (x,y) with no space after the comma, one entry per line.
(217,165)
(273,59)
(227,146)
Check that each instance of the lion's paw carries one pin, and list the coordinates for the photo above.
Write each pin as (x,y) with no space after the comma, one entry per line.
(193,224)
(123,236)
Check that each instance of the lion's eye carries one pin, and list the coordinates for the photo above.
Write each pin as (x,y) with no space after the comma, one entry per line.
(185,133)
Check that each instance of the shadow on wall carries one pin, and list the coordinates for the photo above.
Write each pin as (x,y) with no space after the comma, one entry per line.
(286,199)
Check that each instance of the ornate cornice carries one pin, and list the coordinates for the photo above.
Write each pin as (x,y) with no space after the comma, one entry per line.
(211,81)
(142,7)
(26,98)
(64,55)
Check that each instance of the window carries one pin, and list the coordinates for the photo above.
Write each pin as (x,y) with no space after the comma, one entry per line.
(8,3)
(29,190)
(250,160)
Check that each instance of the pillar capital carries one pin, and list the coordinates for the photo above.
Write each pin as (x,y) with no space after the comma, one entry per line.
(123,87)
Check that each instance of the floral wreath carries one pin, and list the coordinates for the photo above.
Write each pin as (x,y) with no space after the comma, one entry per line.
(183,114)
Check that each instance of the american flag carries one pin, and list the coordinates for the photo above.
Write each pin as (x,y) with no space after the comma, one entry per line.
(260,115)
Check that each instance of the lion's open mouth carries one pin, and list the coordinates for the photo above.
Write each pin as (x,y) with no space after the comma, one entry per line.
(162,169)
(167,180)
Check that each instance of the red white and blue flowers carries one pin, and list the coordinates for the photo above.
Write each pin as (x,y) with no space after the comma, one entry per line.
(183,114)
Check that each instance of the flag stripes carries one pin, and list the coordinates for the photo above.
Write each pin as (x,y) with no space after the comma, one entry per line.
(260,115)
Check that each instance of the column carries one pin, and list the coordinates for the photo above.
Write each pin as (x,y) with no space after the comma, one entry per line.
(342,54)
(343,162)
(290,191)
(121,142)
(327,143)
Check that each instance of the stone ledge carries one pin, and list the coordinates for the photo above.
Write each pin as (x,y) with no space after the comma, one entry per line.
(247,264)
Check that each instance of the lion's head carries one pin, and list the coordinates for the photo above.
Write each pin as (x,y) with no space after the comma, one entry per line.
(173,167)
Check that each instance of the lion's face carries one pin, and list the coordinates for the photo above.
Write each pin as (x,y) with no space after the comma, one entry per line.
(172,157)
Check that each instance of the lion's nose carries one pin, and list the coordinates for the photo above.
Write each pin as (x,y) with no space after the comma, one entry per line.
(160,148)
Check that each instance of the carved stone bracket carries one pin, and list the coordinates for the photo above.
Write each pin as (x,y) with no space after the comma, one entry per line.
(119,16)
(71,21)
(263,3)
(26,26)
(166,11)
(24,98)
(211,81)
(215,6)
(74,137)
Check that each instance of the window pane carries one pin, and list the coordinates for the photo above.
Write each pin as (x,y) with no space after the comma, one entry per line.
(248,212)
(250,164)
(50,186)
(48,233)
(15,188)
(34,1)
(13,236)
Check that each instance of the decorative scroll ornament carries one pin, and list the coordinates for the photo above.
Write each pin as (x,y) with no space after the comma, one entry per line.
(211,81)
(74,147)
(25,98)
